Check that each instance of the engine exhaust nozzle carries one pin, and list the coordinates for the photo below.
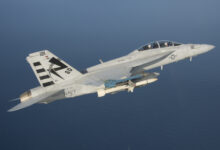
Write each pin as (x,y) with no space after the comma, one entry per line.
(25,96)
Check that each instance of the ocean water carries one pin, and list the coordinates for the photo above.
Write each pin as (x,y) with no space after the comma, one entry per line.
(179,111)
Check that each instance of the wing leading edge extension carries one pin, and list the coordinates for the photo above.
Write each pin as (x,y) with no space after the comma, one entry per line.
(140,68)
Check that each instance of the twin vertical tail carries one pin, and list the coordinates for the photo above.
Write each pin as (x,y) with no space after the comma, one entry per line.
(49,69)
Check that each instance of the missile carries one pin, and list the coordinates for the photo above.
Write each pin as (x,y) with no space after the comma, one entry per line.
(128,85)
(145,82)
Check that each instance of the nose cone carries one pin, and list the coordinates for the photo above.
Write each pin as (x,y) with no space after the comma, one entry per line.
(202,48)
(197,49)
(210,47)
(207,47)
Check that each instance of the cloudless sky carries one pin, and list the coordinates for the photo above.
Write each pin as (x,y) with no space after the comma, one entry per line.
(178,112)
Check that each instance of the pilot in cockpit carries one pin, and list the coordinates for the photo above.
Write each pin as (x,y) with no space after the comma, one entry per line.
(166,44)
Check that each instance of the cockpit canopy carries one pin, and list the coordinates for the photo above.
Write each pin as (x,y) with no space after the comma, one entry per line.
(158,44)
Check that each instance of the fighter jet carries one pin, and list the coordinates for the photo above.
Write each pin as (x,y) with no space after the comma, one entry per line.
(58,80)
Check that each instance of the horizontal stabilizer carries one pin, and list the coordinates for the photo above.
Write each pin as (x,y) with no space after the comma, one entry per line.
(31,101)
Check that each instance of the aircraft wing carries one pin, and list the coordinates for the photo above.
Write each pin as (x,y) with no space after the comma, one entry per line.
(32,101)
(123,70)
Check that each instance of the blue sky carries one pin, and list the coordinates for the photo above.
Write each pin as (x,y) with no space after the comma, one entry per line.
(179,111)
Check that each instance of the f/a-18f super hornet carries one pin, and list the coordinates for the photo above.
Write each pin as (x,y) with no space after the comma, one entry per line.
(58,80)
